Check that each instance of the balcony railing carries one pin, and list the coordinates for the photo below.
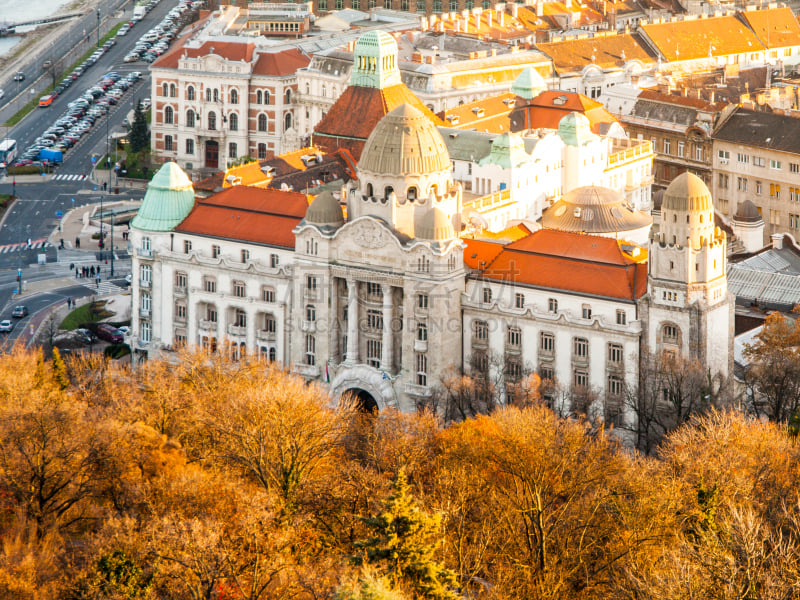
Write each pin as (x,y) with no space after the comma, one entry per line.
(144,312)
(307,370)
(179,290)
(144,252)
(309,326)
(145,284)
(422,391)
(420,345)
(266,336)
(237,330)
(207,325)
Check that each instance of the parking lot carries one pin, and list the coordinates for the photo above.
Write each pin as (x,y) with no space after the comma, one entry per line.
(96,101)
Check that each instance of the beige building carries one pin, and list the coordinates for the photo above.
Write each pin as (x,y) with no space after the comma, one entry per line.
(756,157)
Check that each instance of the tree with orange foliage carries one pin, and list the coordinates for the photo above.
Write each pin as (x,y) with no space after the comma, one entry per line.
(773,372)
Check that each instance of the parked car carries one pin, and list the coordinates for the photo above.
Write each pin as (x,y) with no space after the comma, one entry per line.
(109,333)
(85,336)
(6,326)
(19,311)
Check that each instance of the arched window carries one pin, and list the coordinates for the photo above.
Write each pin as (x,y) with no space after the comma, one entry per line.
(164,90)
(259,97)
(273,355)
(208,95)
(266,96)
(190,93)
(411,194)
(233,122)
(324,91)
(168,115)
(173,91)
(212,120)
(262,122)
(234,97)
(190,118)
(369,190)
(287,122)
(216,95)
(308,88)
(288,96)
(387,192)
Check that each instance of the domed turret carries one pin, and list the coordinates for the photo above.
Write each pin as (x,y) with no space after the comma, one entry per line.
(375,61)
(435,226)
(325,211)
(405,142)
(687,212)
(168,200)
(748,226)
(575,129)
(528,84)
(508,152)
(747,213)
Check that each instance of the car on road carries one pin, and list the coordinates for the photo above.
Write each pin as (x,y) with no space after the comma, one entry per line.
(6,326)
(19,76)
(2,93)
(19,311)
(123,30)
(45,100)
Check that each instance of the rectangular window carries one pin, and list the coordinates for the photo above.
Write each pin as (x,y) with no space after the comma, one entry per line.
(759,188)
(698,154)
(215,251)
(775,164)
(614,384)
(547,342)
(239,289)
(190,146)
(586,311)
(267,294)
(552,305)
(759,161)
(422,301)
(614,354)
(210,284)
(487,295)
(311,350)
(180,280)
(375,320)
(168,142)
(311,282)
(422,332)
(514,337)
(374,290)
(741,184)
(667,147)
(580,378)
(743,158)
(794,168)
(240,318)
(211,313)
(681,149)
(374,348)
(187,246)
(245,255)
(580,347)
(546,372)
(519,300)
(480,330)
(421,363)
(724,155)
(622,317)
(232,150)
(274,261)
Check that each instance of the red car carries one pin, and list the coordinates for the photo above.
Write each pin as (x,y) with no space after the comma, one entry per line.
(109,333)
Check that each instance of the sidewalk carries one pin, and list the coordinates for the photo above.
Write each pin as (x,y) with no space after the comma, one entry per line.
(79,224)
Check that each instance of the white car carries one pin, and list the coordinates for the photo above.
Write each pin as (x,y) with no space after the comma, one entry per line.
(2,93)
(6,326)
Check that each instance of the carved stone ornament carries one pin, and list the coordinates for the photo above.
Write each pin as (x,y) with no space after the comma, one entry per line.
(369,236)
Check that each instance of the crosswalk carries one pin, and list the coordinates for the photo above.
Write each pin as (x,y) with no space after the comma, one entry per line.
(105,287)
(69,177)
(41,244)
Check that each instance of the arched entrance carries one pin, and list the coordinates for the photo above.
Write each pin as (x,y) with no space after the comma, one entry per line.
(367,384)
(363,399)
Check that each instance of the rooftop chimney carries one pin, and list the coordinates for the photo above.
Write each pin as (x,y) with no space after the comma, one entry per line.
(777,241)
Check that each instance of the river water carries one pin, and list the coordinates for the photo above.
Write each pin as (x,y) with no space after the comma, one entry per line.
(14,11)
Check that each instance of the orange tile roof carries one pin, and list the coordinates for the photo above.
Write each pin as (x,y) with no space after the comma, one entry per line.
(279,64)
(775,27)
(494,118)
(354,115)
(547,109)
(695,39)
(256,215)
(479,253)
(606,52)
(698,103)
(234,51)
(571,262)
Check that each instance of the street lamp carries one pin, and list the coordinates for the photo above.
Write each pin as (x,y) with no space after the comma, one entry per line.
(98,27)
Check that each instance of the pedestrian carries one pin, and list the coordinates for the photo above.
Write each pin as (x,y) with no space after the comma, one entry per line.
(98,281)
(91,270)
(77,272)
(77,242)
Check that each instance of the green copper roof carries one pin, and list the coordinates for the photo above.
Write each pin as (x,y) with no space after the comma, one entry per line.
(375,61)
(528,84)
(508,152)
(575,129)
(169,199)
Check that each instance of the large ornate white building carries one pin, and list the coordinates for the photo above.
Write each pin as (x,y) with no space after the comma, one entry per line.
(381,302)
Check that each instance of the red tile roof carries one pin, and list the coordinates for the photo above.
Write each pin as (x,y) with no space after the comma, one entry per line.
(548,108)
(569,262)
(278,64)
(257,215)
(354,115)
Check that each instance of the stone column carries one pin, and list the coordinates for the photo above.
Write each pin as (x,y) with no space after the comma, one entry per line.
(386,349)
(333,318)
(352,321)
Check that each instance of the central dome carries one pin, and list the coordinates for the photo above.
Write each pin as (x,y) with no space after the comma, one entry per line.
(404,142)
